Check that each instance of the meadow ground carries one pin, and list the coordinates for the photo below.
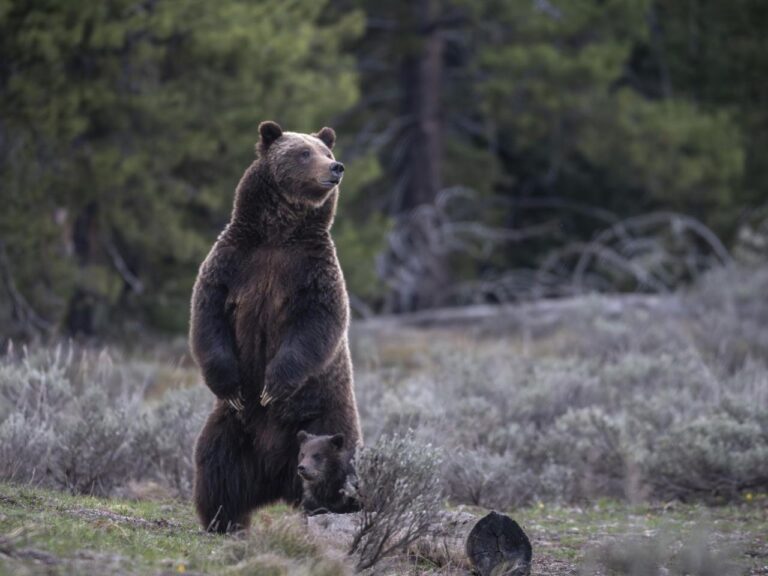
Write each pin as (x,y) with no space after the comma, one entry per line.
(51,532)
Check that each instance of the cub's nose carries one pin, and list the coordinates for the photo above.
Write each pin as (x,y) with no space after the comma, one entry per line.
(302,468)
(337,169)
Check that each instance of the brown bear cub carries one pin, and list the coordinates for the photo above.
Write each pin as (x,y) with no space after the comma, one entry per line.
(268,330)
(328,477)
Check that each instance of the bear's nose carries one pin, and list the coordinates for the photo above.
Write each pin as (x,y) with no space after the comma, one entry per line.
(337,168)
(302,468)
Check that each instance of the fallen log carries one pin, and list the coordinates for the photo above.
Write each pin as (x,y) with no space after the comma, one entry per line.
(497,545)
(490,545)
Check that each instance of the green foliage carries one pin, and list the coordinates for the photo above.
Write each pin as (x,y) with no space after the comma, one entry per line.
(546,73)
(358,244)
(359,237)
(572,104)
(125,128)
(678,156)
(565,115)
(717,55)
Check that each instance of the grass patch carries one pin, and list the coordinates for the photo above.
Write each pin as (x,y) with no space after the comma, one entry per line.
(568,536)
(62,534)
(80,534)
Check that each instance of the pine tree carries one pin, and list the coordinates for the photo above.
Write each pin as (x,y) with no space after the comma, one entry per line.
(124,128)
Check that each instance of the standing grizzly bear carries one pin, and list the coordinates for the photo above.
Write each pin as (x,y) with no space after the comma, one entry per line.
(269,330)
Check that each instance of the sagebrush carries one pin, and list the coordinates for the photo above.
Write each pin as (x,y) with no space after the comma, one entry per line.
(76,419)
(609,397)
(400,493)
(635,399)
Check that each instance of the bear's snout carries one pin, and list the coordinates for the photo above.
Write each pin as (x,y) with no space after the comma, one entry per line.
(337,170)
(304,473)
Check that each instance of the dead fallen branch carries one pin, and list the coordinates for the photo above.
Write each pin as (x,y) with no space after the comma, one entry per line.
(23,313)
(650,253)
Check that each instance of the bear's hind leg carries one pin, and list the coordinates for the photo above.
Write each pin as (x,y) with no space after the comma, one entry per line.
(225,476)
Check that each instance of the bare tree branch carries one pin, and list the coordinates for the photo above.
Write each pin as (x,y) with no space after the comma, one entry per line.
(22,312)
(133,282)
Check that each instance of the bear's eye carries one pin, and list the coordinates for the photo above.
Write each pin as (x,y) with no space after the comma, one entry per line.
(305,154)
(316,457)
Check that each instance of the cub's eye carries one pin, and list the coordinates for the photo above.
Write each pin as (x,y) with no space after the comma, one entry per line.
(305,154)
(316,457)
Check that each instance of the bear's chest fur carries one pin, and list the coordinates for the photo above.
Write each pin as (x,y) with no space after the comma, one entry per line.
(271,289)
(265,290)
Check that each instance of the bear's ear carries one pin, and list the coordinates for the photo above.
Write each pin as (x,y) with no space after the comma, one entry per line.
(268,132)
(338,441)
(328,136)
(302,436)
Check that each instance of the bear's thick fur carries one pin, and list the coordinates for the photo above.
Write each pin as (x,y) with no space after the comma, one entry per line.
(269,330)
(327,474)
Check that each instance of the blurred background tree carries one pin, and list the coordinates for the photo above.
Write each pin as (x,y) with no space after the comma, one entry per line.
(561,118)
(480,136)
(124,127)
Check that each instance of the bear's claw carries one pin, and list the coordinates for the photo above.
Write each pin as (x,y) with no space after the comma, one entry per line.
(265,399)
(236,403)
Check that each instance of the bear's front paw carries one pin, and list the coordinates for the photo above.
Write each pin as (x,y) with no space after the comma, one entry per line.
(236,402)
(265,397)
(273,394)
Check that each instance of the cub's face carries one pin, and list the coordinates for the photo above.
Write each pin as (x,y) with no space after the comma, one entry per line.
(302,165)
(317,454)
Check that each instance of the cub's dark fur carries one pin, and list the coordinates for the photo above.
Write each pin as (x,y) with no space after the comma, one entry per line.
(327,474)
(269,330)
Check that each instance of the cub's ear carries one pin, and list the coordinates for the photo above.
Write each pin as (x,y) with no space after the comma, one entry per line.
(328,136)
(338,441)
(302,436)
(268,132)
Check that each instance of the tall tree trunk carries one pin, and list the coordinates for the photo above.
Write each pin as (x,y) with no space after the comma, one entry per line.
(81,308)
(420,163)
(421,80)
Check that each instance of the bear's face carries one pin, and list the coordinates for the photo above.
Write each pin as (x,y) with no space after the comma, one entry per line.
(302,165)
(319,455)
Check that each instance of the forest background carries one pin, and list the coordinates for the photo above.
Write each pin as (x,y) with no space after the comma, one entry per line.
(496,151)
